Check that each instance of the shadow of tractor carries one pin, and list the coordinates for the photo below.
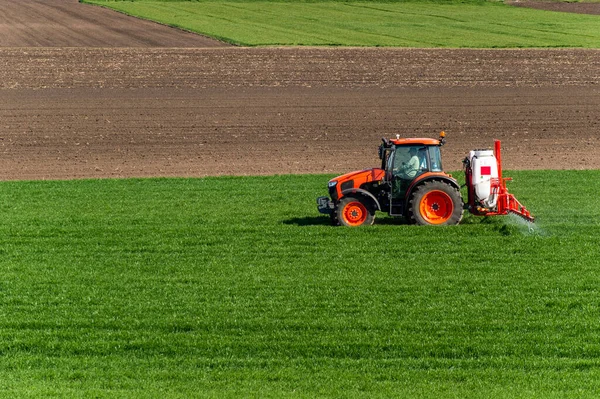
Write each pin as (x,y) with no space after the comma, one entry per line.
(326,221)
(309,221)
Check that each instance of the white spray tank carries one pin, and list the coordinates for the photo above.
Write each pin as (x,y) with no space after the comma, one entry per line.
(484,168)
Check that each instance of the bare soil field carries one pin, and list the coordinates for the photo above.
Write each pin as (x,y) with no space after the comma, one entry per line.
(88,111)
(68,23)
(572,7)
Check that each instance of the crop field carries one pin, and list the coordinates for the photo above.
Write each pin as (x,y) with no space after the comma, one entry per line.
(237,287)
(423,24)
(181,280)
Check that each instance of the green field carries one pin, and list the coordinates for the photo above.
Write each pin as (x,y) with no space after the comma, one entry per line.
(454,24)
(236,287)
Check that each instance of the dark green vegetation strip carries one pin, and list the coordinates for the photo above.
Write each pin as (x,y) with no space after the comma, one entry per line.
(237,287)
(454,24)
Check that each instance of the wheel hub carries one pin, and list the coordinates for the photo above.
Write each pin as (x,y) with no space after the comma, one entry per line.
(436,207)
(355,213)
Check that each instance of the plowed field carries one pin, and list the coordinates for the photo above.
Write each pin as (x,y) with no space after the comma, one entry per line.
(78,107)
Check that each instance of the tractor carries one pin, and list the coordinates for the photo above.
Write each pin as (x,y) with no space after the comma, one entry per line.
(412,184)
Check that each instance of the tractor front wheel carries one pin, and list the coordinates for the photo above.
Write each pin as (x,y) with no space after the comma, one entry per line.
(436,203)
(353,212)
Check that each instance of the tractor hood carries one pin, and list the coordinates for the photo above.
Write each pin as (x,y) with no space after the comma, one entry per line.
(367,175)
(354,180)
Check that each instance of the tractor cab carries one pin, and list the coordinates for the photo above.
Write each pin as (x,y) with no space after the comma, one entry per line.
(406,160)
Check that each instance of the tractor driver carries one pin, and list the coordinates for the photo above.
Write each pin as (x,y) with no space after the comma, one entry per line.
(409,169)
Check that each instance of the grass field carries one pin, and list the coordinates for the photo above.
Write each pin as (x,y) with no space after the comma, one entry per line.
(236,287)
(454,24)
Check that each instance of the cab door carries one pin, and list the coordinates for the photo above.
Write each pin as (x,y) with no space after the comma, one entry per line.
(407,164)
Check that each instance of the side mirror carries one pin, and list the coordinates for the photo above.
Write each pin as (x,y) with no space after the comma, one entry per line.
(383,146)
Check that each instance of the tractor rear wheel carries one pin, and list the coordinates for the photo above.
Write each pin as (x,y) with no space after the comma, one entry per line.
(436,203)
(353,212)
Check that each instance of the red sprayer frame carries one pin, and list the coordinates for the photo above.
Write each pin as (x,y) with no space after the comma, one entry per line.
(506,202)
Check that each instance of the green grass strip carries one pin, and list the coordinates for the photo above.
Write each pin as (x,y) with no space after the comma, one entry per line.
(237,287)
(471,24)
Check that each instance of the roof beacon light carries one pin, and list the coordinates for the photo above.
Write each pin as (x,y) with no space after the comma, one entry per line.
(442,138)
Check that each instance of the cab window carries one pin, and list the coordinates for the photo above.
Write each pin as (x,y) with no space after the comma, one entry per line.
(435,159)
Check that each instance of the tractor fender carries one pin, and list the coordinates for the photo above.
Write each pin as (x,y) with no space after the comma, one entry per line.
(429,177)
(362,192)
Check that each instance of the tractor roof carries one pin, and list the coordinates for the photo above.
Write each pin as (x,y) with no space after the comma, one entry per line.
(415,141)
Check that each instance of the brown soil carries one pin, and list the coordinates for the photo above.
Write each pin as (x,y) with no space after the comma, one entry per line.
(67,23)
(577,8)
(82,112)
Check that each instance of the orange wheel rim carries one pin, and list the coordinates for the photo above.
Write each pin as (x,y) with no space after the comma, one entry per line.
(436,207)
(354,213)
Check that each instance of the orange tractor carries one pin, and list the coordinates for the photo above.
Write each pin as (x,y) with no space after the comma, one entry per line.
(412,184)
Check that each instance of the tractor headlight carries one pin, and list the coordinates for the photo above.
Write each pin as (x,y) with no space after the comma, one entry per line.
(332,189)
